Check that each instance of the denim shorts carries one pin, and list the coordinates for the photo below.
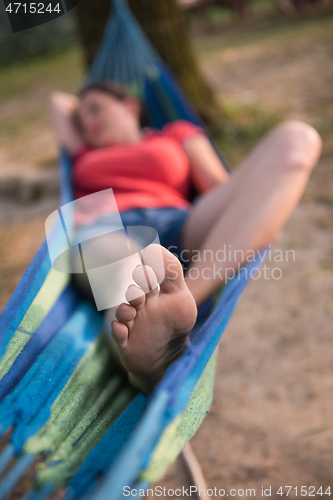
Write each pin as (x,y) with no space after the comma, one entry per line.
(168,222)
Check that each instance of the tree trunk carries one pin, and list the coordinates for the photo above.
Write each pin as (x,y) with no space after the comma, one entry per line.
(165,25)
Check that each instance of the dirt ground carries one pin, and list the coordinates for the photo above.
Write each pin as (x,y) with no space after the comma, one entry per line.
(271,423)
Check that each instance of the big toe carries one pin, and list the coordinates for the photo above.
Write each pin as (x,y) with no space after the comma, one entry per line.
(166,266)
(146,278)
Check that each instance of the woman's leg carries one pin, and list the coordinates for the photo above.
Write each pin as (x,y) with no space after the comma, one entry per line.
(248,212)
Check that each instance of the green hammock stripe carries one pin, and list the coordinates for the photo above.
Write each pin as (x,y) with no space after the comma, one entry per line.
(84,425)
(184,426)
(89,404)
(45,299)
(78,395)
(63,464)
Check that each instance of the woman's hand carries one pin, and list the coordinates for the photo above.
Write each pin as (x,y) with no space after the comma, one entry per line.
(62,107)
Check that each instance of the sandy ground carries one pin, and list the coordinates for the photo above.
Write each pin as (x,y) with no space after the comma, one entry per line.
(271,422)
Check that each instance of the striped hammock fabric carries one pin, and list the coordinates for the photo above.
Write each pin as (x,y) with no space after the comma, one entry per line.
(66,412)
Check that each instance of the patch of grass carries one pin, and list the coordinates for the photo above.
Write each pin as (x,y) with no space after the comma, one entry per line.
(287,30)
(59,70)
(244,126)
(220,15)
(24,90)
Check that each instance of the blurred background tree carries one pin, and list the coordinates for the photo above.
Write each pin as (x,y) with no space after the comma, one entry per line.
(165,24)
(39,41)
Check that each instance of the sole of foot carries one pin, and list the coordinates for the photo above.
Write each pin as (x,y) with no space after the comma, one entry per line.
(152,329)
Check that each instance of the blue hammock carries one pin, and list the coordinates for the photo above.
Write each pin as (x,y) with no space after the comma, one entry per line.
(61,398)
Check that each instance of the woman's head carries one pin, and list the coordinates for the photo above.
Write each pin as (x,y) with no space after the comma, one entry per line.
(107,115)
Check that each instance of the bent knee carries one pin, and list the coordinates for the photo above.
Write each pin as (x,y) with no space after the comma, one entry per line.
(301,143)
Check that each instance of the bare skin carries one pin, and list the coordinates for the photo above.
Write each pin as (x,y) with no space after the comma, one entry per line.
(249,211)
(246,210)
(152,318)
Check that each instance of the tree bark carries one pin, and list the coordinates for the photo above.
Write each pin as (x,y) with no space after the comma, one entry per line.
(165,25)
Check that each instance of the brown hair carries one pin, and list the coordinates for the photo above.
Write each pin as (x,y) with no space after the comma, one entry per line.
(112,89)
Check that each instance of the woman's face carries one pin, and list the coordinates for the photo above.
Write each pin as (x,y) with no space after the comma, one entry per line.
(106,121)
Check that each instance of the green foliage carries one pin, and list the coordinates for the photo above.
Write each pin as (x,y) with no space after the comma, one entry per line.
(244,126)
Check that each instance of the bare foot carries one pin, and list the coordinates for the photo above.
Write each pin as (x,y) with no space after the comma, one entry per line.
(151,331)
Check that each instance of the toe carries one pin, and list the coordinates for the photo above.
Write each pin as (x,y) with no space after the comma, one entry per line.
(171,277)
(153,256)
(125,313)
(119,333)
(145,277)
(135,296)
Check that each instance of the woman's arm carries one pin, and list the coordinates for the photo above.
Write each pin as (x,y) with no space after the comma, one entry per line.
(207,169)
(62,107)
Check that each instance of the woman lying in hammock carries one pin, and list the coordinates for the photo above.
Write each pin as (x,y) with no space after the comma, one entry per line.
(150,173)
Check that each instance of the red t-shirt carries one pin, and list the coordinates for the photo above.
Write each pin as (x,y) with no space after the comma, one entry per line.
(152,173)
